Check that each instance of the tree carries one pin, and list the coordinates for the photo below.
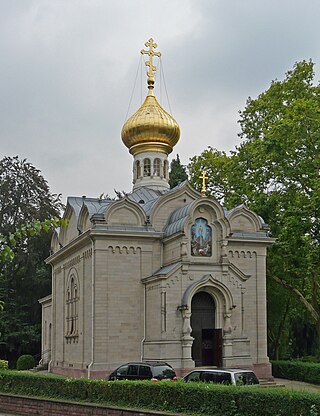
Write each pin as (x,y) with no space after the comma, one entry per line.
(217,165)
(275,171)
(26,208)
(178,172)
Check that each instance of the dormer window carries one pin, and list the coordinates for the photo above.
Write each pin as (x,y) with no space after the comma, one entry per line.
(146,167)
(156,167)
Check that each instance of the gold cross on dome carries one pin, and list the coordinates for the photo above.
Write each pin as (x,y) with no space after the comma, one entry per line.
(152,68)
(204,187)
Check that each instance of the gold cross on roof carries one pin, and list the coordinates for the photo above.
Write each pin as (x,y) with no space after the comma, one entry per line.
(151,53)
(204,187)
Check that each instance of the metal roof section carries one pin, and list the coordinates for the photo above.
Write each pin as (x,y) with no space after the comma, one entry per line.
(146,197)
(125,228)
(251,235)
(96,205)
(177,220)
(75,203)
(180,185)
(162,273)
(166,269)
(143,195)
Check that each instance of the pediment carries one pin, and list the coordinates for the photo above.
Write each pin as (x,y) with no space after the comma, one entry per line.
(125,212)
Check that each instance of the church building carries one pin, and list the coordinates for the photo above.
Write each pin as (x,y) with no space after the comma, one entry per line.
(159,274)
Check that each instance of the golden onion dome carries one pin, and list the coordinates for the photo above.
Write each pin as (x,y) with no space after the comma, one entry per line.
(151,128)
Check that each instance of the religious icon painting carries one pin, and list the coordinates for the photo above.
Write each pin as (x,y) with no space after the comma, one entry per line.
(201,238)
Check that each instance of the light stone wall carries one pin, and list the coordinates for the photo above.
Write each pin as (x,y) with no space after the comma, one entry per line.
(124,216)
(119,298)
(72,352)
(46,336)
(70,232)
(251,259)
(121,318)
(172,251)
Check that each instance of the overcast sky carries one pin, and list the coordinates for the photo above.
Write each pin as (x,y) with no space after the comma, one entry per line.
(68,67)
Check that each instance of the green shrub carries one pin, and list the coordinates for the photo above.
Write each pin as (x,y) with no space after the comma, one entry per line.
(177,397)
(25,362)
(310,359)
(3,365)
(297,370)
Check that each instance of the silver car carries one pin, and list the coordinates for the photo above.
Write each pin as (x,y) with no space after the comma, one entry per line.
(233,376)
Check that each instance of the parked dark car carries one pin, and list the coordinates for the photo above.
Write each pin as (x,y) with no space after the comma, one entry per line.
(233,376)
(155,371)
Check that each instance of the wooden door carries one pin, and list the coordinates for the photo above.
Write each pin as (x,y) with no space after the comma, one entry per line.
(207,344)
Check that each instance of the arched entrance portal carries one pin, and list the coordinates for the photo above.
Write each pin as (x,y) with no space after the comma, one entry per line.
(207,344)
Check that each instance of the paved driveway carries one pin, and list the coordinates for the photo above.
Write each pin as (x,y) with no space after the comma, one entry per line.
(298,385)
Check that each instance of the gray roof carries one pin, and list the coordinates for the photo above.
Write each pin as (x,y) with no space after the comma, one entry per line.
(166,269)
(76,203)
(177,220)
(94,205)
(145,197)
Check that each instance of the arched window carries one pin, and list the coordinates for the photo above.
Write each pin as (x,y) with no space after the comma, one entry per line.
(165,169)
(146,167)
(201,238)
(138,169)
(72,308)
(156,167)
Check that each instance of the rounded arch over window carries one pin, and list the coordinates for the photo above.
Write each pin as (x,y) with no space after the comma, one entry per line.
(156,167)
(146,167)
(72,304)
(138,169)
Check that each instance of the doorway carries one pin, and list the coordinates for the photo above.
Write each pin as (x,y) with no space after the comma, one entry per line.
(207,344)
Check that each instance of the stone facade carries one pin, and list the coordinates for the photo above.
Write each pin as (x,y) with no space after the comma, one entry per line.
(125,275)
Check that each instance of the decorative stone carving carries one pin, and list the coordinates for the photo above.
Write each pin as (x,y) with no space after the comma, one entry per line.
(227,328)
(187,339)
(186,327)
(184,249)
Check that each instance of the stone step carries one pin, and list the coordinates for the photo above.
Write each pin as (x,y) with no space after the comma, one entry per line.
(40,367)
(269,383)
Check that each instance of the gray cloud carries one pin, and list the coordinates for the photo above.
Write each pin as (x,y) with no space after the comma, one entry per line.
(68,68)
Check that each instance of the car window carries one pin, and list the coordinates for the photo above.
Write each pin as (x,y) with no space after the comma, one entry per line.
(208,377)
(133,370)
(163,371)
(122,371)
(145,371)
(216,377)
(194,376)
(224,378)
(245,378)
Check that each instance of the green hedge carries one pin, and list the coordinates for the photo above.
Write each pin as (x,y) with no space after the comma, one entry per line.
(297,370)
(179,397)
